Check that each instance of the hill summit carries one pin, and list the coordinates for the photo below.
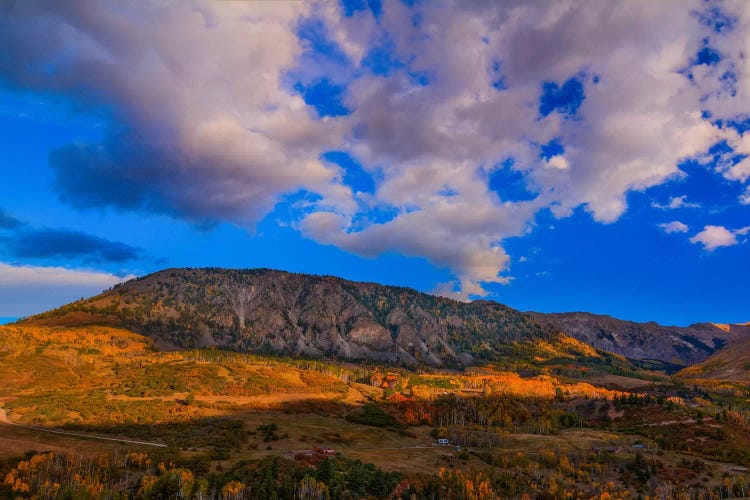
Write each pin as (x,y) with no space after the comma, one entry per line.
(262,310)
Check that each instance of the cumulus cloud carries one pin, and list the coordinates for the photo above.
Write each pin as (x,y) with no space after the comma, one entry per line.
(676,202)
(637,117)
(674,227)
(431,99)
(206,129)
(713,237)
(27,290)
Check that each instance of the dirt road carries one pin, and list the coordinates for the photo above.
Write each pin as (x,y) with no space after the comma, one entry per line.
(6,421)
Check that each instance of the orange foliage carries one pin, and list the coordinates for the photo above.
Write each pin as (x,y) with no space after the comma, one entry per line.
(511,383)
(232,490)
(42,474)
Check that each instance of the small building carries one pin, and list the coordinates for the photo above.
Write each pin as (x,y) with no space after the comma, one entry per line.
(610,449)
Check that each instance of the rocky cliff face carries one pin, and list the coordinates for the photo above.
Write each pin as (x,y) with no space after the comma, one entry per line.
(670,344)
(274,311)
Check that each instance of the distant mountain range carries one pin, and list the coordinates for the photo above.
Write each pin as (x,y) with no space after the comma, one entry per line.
(261,310)
(731,363)
(670,344)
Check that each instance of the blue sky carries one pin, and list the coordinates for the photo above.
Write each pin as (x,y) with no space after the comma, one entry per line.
(455,149)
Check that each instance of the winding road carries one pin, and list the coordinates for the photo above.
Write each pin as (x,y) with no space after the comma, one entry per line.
(6,421)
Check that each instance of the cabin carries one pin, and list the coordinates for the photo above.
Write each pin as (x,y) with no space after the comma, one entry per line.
(324,450)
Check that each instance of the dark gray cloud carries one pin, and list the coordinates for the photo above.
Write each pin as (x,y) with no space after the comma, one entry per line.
(46,243)
(21,241)
(127,173)
(8,222)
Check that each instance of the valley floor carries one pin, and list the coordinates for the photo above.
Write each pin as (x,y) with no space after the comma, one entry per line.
(98,412)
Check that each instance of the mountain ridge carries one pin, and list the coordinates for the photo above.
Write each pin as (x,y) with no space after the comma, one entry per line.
(267,310)
(679,345)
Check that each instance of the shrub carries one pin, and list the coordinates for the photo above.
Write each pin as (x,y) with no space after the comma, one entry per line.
(372,414)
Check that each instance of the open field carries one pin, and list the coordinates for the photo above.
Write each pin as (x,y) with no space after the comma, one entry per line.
(16,441)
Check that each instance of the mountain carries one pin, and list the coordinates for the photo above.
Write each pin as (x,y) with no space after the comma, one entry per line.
(261,310)
(674,345)
(732,363)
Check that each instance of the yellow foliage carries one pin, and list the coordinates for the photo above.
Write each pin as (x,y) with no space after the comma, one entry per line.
(147,482)
(472,485)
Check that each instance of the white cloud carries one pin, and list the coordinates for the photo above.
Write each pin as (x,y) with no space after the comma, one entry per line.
(559,162)
(713,237)
(745,197)
(676,202)
(633,127)
(28,290)
(451,290)
(37,275)
(212,130)
(740,171)
(674,227)
(209,129)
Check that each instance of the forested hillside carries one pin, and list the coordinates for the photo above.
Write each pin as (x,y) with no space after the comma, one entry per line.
(261,310)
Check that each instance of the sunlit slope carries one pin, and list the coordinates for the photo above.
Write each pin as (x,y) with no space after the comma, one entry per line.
(112,380)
